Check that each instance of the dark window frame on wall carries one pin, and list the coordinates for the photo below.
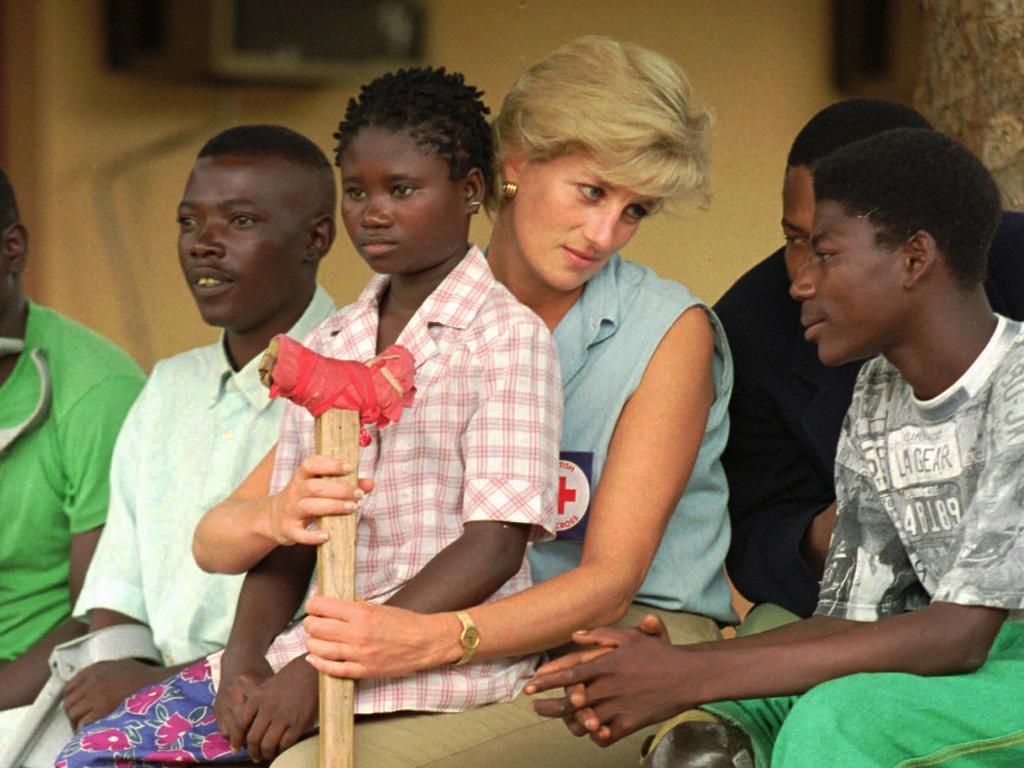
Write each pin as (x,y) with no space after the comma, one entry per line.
(876,48)
(264,41)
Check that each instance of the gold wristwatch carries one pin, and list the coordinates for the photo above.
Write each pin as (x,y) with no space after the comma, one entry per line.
(470,637)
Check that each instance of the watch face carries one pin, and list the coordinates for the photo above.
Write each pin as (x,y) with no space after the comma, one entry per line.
(470,638)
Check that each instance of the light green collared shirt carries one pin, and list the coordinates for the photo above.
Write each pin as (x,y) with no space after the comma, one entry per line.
(194,434)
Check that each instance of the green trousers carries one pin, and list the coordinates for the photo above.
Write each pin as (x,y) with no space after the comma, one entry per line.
(497,735)
(896,720)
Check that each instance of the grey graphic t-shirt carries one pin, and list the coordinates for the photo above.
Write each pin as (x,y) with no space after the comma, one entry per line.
(931,494)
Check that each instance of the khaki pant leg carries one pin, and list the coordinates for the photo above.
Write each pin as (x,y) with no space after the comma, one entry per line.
(497,735)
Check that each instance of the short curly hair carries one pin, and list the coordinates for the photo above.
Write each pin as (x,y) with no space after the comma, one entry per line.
(8,203)
(437,108)
(913,179)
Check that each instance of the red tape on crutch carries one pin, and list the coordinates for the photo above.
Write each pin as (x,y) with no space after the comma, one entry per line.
(378,389)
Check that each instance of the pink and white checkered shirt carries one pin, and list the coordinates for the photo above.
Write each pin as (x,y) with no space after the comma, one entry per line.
(480,442)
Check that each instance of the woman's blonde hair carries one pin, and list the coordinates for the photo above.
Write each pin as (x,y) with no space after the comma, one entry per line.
(632,110)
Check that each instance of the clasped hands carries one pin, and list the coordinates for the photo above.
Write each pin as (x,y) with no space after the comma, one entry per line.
(265,712)
(625,682)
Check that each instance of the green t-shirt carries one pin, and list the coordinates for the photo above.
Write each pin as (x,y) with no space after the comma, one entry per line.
(54,479)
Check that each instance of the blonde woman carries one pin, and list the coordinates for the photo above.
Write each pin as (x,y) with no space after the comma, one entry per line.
(590,141)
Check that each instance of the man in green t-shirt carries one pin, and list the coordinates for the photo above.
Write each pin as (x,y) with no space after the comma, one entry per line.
(64,392)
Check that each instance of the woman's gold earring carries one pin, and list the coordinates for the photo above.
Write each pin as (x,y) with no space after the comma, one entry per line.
(509,189)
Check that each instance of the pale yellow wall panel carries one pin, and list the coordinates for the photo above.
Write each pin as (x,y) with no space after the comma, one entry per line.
(112,151)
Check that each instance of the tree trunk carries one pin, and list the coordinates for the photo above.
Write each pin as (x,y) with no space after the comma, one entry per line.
(972,83)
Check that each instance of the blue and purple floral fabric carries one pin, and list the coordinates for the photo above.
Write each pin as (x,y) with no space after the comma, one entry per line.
(170,722)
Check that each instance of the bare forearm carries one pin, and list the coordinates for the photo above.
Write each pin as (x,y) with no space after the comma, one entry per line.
(943,639)
(545,615)
(416,630)
(232,537)
(239,532)
(271,594)
(395,642)
(641,677)
(22,679)
(467,571)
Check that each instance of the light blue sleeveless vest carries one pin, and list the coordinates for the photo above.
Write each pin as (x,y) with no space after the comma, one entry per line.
(604,344)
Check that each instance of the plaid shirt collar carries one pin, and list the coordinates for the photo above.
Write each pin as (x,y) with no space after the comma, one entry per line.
(454,303)
(470,280)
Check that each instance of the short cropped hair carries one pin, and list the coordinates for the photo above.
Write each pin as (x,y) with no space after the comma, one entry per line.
(632,110)
(912,179)
(439,109)
(8,203)
(266,141)
(848,121)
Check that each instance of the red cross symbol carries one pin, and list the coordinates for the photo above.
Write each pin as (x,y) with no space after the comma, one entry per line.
(564,494)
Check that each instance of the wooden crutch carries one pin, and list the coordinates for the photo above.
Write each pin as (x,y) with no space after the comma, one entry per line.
(372,392)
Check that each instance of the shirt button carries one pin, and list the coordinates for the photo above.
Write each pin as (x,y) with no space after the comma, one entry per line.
(229,437)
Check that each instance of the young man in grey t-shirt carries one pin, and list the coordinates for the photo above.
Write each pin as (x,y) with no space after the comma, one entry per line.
(924,582)
(931,489)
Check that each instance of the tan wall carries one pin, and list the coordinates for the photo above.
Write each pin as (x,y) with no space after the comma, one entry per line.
(100,159)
